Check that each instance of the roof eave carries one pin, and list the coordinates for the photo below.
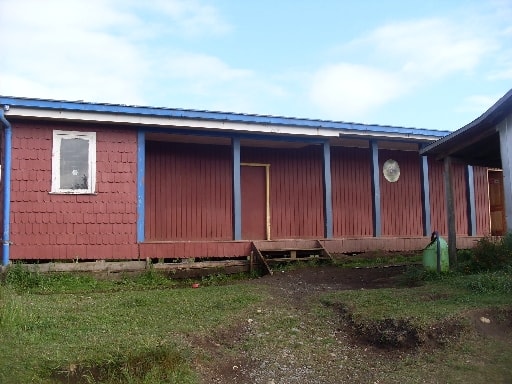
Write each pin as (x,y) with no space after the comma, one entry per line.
(113,112)
(482,126)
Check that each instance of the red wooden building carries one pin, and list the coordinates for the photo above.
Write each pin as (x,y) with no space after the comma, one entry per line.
(90,181)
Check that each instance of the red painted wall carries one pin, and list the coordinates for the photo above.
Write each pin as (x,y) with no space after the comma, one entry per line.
(438,199)
(296,192)
(401,201)
(351,192)
(51,226)
(188,192)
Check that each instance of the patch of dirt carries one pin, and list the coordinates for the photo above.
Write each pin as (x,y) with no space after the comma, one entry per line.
(494,323)
(370,342)
(306,281)
(290,288)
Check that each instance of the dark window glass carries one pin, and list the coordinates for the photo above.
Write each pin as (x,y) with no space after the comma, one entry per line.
(74,164)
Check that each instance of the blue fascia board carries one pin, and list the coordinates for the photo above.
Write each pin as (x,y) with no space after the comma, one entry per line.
(81,106)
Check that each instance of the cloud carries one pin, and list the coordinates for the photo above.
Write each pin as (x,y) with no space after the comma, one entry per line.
(502,74)
(477,104)
(396,59)
(195,66)
(429,48)
(97,50)
(201,81)
(191,17)
(351,90)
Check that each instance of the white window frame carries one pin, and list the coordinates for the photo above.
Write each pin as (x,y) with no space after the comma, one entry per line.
(58,136)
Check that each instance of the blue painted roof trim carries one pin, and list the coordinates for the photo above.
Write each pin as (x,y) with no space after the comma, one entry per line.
(82,106)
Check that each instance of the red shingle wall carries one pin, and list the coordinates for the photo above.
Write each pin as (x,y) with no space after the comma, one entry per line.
(57,226)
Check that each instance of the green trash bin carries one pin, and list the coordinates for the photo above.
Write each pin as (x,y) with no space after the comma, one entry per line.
(430,254)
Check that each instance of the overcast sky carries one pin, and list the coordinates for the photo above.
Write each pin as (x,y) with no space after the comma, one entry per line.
(435,64)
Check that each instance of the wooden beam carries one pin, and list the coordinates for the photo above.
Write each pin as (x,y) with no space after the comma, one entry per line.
(471,207)
(505,130)
(141,169)
(457,144)
(425,196)
(450,212)
(377,221)
(328,215)
(237,190)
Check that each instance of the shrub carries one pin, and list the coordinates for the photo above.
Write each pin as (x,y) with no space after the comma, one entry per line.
(492,282)
(415,275)
(21,278)
(490,254)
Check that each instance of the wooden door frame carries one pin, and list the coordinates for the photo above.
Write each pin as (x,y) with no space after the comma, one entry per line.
(267,193)
(504,218)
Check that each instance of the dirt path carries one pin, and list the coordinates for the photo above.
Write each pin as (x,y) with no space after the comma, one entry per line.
(283,343)
(291,292)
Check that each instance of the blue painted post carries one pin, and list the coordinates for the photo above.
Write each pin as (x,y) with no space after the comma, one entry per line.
(237,190)
(141,166)
(328,216)
(6,239)
(470,192)
(377,220)
(425,197)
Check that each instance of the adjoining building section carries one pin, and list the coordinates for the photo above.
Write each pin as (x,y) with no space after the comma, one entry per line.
(487,142)
(84,181)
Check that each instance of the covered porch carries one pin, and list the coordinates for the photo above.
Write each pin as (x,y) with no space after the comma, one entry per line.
(487,142)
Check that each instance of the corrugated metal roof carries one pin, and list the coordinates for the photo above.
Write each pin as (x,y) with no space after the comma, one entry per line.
(81,106)
(476,143)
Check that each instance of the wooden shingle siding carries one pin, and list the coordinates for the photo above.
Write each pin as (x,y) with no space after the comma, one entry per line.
(351,192)
(296,192)
(57,226)
(401,200)
(188,192)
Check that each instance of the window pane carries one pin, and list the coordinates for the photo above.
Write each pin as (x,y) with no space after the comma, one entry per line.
(74,164)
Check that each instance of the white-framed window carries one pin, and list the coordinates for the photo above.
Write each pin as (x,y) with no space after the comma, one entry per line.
(74,162)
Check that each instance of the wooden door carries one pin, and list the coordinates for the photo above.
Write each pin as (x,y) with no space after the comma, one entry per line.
(497,203)
(254,201)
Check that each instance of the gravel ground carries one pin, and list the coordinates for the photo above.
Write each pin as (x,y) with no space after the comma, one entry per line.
(282,343)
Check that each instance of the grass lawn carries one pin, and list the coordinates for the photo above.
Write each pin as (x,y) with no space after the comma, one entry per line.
(121,332)
(75,329)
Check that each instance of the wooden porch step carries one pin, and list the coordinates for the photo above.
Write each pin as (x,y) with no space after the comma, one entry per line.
(288,251)
(292,253)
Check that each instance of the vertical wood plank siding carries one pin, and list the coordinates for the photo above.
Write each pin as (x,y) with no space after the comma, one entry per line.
(188,192)
(483,218)
(438,199)
(460,197)
(401,200)
(296,194)
(66,226)
(351,191)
